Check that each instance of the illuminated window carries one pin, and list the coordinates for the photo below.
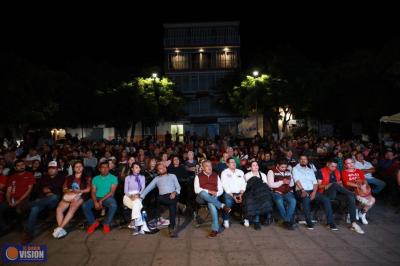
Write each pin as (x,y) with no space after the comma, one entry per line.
(226,60)
(178,61)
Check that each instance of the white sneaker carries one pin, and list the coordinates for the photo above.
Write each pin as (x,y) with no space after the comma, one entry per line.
(348,219)
(138,232)
(131,225)
(56,232)
(246,223)
(363,217)
(357,228)
(62,233)
(145,228)
(162,222)
(357,214)
(226,224)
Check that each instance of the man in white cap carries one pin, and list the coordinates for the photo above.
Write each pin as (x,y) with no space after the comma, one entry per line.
(50,191)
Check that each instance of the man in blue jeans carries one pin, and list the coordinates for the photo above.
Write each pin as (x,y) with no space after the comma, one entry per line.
(168,190)
(281,182)
(234,185)
(307,190)
(50,190)
(208,188)
(103,189)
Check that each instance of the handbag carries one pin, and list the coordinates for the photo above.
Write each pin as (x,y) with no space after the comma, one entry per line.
(70,196)
(363,191)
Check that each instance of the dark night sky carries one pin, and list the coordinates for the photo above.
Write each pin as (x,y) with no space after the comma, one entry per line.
(123,39)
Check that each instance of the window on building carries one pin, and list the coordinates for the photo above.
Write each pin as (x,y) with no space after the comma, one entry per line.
(201,60)
(179,61)
(194,107)
(226,60)
(206,82)
(204,105)
(185,84)
(194,82)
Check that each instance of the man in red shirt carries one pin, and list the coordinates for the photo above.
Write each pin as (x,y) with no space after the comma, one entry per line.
(17,190)
(354,180)
(19,187)
(3,184)
(352,177)
(3,203)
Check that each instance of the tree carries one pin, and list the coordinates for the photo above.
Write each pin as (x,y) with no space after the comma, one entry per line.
(160,99)
(265,94)
(142,99)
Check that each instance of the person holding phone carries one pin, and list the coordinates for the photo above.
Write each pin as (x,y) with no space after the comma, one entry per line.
(234,185)
(281,182)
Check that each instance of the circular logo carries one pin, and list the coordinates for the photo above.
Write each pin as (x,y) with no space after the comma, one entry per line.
(12,253)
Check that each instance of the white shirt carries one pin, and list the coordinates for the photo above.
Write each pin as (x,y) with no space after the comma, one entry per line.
(233,182)
(305,175)
(250,174)
(364,166)
(198,189)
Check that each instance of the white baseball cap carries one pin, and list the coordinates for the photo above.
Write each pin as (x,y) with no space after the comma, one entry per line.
(52,164)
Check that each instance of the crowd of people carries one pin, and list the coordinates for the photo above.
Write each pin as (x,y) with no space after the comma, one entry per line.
(260,179)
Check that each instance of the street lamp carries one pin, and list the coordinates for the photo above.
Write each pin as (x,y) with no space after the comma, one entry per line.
(255,75)
(157,94)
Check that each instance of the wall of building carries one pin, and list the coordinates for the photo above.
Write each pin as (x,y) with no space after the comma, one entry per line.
(94,133)
(248,126)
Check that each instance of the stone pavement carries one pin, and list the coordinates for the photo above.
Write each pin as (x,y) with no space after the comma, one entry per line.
(237,245)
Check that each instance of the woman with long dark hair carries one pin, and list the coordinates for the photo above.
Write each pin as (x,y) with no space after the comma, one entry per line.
(76,190)
(125,170)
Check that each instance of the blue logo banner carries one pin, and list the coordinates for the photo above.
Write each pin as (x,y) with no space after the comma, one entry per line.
(24,253)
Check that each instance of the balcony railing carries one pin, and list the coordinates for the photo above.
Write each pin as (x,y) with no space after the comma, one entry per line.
(202,36)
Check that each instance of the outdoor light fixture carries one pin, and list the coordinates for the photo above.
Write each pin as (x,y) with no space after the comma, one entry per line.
(201,50)
(226,49)
(177,51)
(154,75)
(255,73)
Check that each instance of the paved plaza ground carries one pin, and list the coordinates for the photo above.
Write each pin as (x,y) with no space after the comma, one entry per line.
(237,245)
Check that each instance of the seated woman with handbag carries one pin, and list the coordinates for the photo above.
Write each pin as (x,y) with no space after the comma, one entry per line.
(76,189)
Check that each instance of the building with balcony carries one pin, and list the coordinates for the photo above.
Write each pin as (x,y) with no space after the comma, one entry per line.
(196,57)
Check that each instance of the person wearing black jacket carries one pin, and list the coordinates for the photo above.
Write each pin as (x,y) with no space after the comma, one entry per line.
(257,199)
(182,175)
